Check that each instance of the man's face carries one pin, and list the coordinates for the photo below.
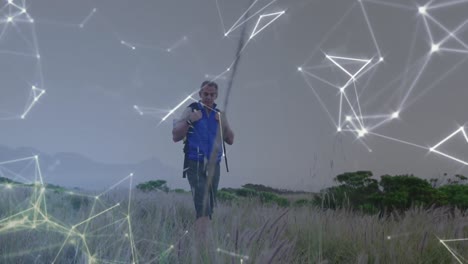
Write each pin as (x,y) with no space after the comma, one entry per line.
(208,95)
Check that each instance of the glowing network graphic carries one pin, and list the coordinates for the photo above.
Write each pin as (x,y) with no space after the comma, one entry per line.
(34,215)
(460,259)
(18,41)
(348,95)
(263,21)
(460,131)
(352,117)
(106,225)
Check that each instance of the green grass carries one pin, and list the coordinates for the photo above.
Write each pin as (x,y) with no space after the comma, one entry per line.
(158,228)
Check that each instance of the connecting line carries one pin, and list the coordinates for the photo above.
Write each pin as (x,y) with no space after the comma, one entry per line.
(364,144)
(450,157)
(452,33)
(177,107)
(177,44)
(415,81)
(237,24)
(83,23)
(370,28)
(34,101)
(405,73)
(115,185)
(233,254)
(428,30)
(96,215)
(455,240)
(211,76)
(255,31)
(339,66)
(447,31)
(360,134)
(362,68)
(352,79)
(387,119)
(30,251)
(319,78)
(137,108)
(220,16)
(447,3)
(17,214)
(451,251)
(359,73)
(356,130)
(237,21)
(340,113)
(398,140)
(441,77)
(359,105)
(320,101)
(396,5)
(36,46)
(16,175)
(63,245)
(16,53)
(352,109)
(122,220)
(461,129)
(190,96)
(16,160)
(130,230)
(338,23)
(454,50)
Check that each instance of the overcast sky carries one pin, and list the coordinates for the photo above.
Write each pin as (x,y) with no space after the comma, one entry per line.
(285,121)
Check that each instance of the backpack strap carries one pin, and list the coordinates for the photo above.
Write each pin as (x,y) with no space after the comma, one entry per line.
(193,106)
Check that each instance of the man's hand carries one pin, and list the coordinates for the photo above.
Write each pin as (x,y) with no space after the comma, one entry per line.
(195,116)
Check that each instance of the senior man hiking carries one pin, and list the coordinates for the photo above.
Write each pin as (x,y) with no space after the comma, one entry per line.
(203,128)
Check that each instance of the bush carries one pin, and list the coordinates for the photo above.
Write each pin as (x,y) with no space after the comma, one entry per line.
(455,195)
(301,202)
(404,191)
(224,196)
(246,192)
(269,198)
(158,185)
(281,201)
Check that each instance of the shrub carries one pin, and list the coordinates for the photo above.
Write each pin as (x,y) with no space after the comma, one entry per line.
(224,196)
(158,185)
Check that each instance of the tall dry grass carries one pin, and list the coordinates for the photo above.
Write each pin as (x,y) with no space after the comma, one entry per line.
(153,229)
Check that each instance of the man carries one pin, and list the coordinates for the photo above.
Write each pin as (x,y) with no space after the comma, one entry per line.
(204,127)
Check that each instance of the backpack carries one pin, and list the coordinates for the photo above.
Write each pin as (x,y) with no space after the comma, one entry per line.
(194,106)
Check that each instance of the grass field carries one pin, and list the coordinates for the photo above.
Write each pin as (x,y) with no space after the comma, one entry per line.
(45,226)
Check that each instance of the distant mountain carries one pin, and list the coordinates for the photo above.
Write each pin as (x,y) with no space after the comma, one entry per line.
(75,170)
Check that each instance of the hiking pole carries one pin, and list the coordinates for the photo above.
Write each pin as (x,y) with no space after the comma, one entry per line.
(225,157)
(224,143)
(240,48)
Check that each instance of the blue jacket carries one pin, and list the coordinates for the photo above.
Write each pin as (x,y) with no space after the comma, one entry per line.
(202,137)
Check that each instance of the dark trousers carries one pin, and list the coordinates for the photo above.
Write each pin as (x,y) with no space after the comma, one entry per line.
(203,181)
